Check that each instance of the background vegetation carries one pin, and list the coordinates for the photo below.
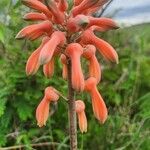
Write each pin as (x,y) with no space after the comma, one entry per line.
(125,88)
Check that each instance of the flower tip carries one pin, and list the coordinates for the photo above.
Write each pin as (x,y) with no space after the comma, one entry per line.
(19,36)
(117,61)
(42,61)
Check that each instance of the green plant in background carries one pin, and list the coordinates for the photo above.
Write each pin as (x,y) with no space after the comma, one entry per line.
(128,124)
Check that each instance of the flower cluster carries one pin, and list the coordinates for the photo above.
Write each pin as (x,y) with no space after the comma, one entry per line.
(69,34)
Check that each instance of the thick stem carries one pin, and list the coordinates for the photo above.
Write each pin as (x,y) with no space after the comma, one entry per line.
(72,113)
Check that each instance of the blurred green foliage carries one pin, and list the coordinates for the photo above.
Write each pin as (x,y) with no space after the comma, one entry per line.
(125,88)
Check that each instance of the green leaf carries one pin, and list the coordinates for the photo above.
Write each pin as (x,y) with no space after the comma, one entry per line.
(24,110)
(144,105)
(2,106)
(2,33)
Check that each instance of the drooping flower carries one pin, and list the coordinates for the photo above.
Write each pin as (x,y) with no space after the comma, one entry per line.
(94,66)
(82,121)
(42,111)
(103,47)
(98,104)
(74,52)
(64,62)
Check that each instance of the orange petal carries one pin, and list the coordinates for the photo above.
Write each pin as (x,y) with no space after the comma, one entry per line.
(30,30)
(79,108)
(94,66)
(77,23)
(57,14)
(64,62)
(42,112)
(32,64)
(63,5)
(86,4)
(77,2)
(98,104)
(82,122)
(47,51)
(34,16)
(95,69)
(48,68)
(106,50)
(37,5)
(99,107)
(51,94)
(74,51)
(107,23)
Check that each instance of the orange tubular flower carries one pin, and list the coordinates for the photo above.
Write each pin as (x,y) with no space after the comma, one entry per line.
(77,2)
(77,23)
(81,22)
(102,22)
(63,5)
(34,16)
(98,104)
(36,29)
(58,16)
(94,66)
(57,38)
(74,51)
(86,4)
(48,68)
(33,64)
(80,107)
(42,111)
(104,48)
(39,6)
(64,62)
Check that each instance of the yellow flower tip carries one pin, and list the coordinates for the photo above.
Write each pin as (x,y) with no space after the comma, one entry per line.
(83,131)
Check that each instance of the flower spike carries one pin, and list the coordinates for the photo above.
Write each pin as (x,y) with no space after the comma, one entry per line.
(69,35)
